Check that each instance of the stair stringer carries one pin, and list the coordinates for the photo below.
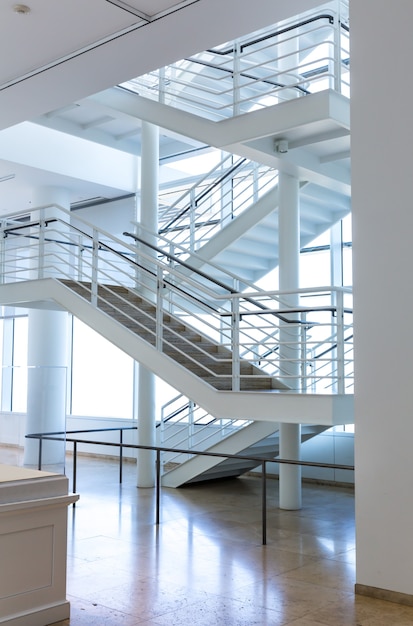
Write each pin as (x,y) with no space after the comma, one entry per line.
(233,444)
(259,439)
(274,405)
(236,228)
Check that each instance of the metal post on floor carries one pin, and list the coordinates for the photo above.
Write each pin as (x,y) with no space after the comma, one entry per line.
(74,468)
(264,503)
(39,463)
(158,485)
(120,455)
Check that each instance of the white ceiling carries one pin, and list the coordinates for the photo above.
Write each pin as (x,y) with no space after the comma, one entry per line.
(62,51)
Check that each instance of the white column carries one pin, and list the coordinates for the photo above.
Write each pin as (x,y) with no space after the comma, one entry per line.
(289,259)
(47,361)
(149,219)
(381,146)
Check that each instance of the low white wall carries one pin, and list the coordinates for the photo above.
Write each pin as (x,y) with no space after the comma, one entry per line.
(13,428)
(328,447)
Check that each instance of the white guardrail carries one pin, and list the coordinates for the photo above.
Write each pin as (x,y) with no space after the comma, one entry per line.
(308,346)
(291,59)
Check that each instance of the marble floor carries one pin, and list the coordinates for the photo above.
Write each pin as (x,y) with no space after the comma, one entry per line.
(204,564)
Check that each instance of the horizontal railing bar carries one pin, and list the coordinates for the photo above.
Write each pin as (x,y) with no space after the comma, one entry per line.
(275,33)
(193,452)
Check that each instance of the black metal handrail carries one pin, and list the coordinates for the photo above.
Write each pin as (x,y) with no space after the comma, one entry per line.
(62,436)
(277,33)
(203,194)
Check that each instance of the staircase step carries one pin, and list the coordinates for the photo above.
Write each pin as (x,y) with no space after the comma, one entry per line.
(203,357)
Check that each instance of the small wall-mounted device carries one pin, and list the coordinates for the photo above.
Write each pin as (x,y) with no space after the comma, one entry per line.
(281,146)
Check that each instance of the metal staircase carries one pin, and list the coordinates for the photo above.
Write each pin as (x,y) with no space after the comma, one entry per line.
(199,354)
(181,309)
(217,348)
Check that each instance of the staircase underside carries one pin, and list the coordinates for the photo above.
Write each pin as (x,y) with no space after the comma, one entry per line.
(271,405)
(248,245)
(317,128)
(259,440)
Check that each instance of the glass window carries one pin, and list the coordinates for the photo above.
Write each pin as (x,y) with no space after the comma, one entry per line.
(102,376)
(315,269)
(19,388)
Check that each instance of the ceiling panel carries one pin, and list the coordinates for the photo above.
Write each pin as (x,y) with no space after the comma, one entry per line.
(53,30)
(154,7)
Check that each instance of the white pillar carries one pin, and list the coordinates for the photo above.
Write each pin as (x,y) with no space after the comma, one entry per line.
(149,219)
(381,146)
(47,361)
(289,260)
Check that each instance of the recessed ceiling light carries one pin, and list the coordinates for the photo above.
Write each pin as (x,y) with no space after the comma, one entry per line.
(7,177)
(21,9)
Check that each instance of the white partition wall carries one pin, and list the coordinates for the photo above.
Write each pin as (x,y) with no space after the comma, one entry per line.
(382,160)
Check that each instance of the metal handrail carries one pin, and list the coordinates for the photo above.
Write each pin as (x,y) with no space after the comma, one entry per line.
(252,71)
(159,449)
(204,193)
(196,214)
(108,262)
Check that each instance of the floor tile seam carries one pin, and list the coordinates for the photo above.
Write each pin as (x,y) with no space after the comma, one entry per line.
(205,602)
(341,586)
(292,535)
(155,615)
(70,597)
(312,586)
(300,614)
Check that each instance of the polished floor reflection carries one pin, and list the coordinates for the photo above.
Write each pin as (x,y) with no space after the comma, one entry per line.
(205,564)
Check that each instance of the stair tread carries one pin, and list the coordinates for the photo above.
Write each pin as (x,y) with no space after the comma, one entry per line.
(202,356)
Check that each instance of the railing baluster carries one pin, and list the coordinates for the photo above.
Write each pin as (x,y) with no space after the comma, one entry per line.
(159,309)
(340,343)
(235,341)
(264,502)
(120,454)
(39,463)
(158,486)
(95,261)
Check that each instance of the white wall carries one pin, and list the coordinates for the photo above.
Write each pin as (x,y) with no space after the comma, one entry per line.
(13,430)
(113,217)
(382,159)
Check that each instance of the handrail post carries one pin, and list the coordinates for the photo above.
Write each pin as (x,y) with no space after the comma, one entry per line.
(235,348)
(303,330)
(120,454)
(81,250)
(264,503)
(337,48)
(340,342)
(236,80)
(162,86)
(158,485)
(159,309)
(39,463)
(74,468)
(40,269)
(191,422)
(192,218)
(3,254)
(95,259)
